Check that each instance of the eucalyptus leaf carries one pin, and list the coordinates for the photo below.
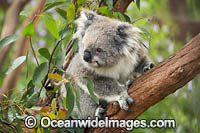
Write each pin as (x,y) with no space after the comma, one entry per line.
(78,97)
(104,10)
(109,4)
(40,73)
(8,39)
(70,99)
(51,25)
(138,4)
(17,62)
(33,99)
(27,64)
(80,2)
(60,56)
(90,86)
(52,4)
(44,52)
(28,30)
(70,13)
(24,13)
(62,12)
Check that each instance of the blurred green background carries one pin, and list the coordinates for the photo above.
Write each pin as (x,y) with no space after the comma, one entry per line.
(168,25)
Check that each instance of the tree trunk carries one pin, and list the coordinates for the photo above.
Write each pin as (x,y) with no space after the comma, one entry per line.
(179,13)
(159,82)
(10,25)
(22,47)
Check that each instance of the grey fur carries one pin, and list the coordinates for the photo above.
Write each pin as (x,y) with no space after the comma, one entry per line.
(117,55)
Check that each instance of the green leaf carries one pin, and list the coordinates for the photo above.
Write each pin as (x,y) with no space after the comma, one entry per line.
(17,62)
(19,125)
(78,98)
(8,39)
(49,1)
(55,76)
(75,45)
(27,64)
(24,13)
(51,5)
(33,99)
(44,52)
(70,99)
(29,90)
(138,4)
(122,16)
(71,13)
(60,56)
(109,4)
(62,12)
(104,10)
(64,33)
(90,86)
(28,30)
(51,26)
(80,2)
(141,22)
(43,94)
(53,105)
(40,73)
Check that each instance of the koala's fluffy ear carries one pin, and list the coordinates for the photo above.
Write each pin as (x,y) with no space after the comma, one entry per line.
(83,22)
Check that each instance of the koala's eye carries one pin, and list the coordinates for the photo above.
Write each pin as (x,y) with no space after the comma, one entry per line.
(99,50)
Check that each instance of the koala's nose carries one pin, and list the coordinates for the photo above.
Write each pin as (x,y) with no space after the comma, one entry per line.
(87,56)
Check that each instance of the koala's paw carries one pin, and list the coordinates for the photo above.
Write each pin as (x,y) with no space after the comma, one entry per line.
(125,101)
(148,67)
(99,112)
(129,83)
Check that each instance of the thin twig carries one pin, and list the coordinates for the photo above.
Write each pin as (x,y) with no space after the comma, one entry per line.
(69,46)
(33,51)
(138,20)
(50,59)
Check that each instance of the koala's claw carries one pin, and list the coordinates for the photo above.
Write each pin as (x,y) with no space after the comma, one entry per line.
(148,67)
(99,112)
(129,83)
(125,102)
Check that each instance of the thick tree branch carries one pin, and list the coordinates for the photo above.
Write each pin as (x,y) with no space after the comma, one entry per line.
(161,81)
(4,4)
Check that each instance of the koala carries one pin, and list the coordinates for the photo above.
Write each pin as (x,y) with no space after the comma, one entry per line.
(110,53)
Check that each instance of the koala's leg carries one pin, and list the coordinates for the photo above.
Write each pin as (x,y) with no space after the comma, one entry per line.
(125,101)
(111,90)
(88,106)
(100,110)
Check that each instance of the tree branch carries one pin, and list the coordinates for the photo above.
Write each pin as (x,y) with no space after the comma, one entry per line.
(159,82)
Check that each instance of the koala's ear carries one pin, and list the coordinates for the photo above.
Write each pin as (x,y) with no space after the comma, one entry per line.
(88,14)
(83,22)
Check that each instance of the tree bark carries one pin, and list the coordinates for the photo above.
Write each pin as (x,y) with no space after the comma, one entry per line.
(22,47)
(10,25)
(4,4)
(179,13)
(159,82)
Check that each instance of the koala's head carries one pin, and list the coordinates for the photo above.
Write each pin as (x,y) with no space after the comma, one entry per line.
(107,43)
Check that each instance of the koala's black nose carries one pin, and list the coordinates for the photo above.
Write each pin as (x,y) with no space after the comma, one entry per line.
(87,56)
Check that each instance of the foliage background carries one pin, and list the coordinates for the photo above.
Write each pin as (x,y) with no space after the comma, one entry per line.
(156,19)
